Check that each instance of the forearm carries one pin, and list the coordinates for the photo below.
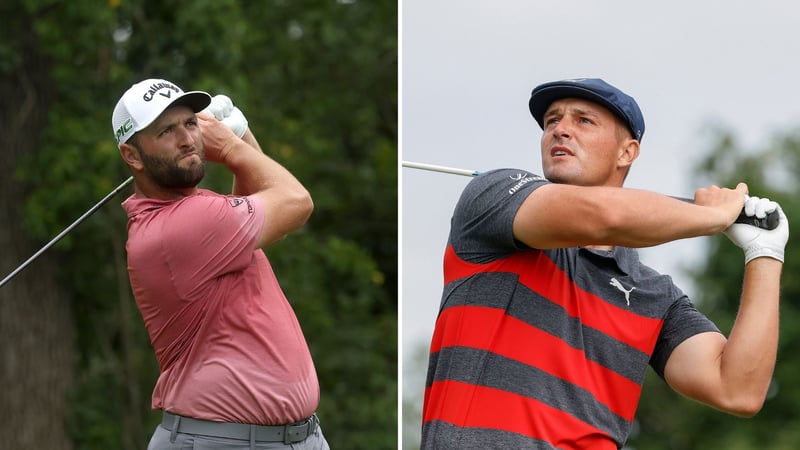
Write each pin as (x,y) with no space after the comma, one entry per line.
(748,358)
(635,218)
(734,374)
(285,199)
(565,216)
(254,171)
(285,203)
(249,138)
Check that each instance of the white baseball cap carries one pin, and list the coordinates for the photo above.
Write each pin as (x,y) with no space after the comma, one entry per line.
(143,102)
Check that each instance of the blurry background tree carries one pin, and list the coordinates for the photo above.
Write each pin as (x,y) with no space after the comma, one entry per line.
(318,84)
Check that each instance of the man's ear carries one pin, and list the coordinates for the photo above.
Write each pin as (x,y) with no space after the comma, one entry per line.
(131,156)
(629,151)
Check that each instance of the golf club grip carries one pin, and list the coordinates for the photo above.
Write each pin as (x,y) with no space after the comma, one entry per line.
(768,223)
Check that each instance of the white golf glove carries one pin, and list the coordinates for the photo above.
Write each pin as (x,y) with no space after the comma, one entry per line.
(222,108)
(758,242)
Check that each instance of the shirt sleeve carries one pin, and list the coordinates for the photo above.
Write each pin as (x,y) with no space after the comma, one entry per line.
(482,227)
(212,235)
(682,321)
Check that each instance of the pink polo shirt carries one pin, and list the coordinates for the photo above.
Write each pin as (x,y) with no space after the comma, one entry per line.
(227,341)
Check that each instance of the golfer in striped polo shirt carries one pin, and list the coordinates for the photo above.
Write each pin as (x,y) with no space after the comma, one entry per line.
(548,319)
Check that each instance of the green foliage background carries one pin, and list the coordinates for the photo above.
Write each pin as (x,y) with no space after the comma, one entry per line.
(317,81)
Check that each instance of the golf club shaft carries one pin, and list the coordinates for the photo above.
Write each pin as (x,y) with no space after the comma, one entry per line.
(770,222)
(442,169)
(68,229)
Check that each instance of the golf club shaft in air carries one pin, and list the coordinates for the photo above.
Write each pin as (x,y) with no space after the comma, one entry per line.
(67,230)
(442,169)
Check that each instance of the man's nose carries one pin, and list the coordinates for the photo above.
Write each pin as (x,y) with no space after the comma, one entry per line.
(561,128)
(185,137)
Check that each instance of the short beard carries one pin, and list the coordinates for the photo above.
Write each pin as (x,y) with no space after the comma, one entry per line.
(166,174)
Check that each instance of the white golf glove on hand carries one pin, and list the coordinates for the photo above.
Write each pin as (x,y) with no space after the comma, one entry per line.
(222,108)
(758,242)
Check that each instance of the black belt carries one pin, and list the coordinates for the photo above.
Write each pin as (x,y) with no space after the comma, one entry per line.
(294,432)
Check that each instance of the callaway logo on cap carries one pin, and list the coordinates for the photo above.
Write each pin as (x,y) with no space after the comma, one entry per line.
(143,102)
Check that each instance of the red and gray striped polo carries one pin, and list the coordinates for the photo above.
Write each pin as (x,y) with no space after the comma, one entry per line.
(542,349)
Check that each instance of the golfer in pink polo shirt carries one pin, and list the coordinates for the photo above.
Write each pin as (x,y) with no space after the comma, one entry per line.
(235,369)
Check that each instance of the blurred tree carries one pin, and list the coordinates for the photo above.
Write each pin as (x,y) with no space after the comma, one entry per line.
(318,83)
(36,353)
(667,421)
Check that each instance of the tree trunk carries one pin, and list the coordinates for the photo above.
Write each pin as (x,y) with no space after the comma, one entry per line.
(36,327)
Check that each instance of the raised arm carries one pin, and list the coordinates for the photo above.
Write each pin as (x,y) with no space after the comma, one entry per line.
(287,203)
(734,374)
(250,139)
(560,215)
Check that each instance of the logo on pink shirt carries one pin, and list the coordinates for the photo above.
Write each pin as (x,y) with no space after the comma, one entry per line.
(236,201)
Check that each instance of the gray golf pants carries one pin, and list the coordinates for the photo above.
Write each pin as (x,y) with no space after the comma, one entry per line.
(184,441)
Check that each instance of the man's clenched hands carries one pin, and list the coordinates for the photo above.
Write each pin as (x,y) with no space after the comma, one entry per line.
(222,108)
(218,139)
(758,242)
(726,203)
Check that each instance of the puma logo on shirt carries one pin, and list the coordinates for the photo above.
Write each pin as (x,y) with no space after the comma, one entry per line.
(616,283)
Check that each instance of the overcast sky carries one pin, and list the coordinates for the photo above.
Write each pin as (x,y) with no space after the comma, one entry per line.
(468,67)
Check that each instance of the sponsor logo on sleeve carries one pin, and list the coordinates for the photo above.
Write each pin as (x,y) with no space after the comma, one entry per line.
(237,201)
(522,179)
